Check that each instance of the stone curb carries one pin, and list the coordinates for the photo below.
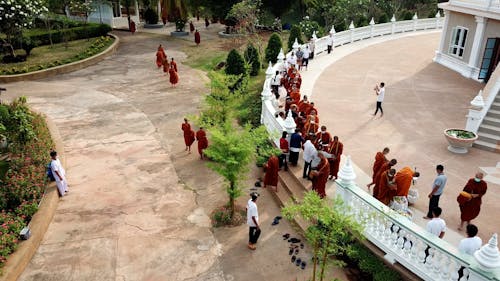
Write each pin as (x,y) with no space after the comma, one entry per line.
(65,68)
(17,261)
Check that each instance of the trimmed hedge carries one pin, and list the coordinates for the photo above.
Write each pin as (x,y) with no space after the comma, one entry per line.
(41,37)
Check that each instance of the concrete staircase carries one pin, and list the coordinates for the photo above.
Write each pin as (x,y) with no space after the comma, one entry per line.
(489,130)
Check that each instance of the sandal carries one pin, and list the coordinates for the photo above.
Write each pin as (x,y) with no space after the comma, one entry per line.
(290,252)
(302,245)
(303,265)
(298,262)
(286,236)
(297,251)
(293,259)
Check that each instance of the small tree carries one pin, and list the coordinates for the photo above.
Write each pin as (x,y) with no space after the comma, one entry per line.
(245,15)
(295,32)
(16,15)
(235,65)
(332,231)
(273,48)
(253,59)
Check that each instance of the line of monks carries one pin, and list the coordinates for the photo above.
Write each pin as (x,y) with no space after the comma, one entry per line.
(190,136)
(327,151)
(168,67)
(387,182)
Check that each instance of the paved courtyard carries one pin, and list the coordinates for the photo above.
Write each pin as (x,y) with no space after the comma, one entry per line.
(422,99)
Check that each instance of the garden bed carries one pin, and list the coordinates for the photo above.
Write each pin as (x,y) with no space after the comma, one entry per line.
(25,181)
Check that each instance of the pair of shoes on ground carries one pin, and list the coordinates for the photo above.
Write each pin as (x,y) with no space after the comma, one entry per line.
(276,220)
(299,262)
(293,250)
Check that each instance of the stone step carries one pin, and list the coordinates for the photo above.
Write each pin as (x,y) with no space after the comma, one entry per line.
(493,113)
(283,197)
(489,129)
(295,189)
(495,106)
(494,139)
(491,121)
(297,172)
(486,146)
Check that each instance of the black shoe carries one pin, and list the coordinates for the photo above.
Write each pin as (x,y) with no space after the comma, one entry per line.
(286,236)
(303,265)
(290,252)
(298,262)
(293,259)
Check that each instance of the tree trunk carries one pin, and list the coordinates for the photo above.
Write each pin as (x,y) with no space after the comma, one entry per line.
(231,199)
(323,263)
(315,260)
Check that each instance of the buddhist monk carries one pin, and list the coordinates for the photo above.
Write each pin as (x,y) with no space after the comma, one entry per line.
(469,208)
(160,56)
(189,134)
(197,38)
(272,168)
(403,179)
(166,66)
(304,104)
(386,186)
(323,139)
(132,27)
(311,108)
(320,176)
(201,137)
(385,166)
(174,77)
(335,149)
(380,158)
(174,65)
(191,26)
(207,23)
(311,125)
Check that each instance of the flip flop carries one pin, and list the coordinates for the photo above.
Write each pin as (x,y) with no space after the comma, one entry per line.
(275,222)
(258,184)
(296,251)
(298,262)
(286,236)
(293,240)
(302,245)
(303,265)
(293,259)
(290,252)
(277,218)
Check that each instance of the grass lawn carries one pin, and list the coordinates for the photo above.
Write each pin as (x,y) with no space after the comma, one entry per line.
(57,54)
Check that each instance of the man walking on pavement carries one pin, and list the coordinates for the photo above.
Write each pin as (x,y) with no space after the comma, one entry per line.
(253,221)
(380,91)
(437,190)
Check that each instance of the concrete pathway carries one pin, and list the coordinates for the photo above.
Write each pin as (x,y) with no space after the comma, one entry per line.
(422,99)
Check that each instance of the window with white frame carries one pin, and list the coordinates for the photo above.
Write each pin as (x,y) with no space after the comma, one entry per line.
(457,41)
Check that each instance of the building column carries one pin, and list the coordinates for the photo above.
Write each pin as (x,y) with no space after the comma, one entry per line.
(478,41)
(442,43)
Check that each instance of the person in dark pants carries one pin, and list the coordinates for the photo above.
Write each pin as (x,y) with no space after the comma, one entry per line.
(253,221)
(295,146)
(329,43)
(285,150)
(437,190)
(380,91)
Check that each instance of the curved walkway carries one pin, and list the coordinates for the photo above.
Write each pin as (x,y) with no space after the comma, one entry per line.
(422,99)
(127,217)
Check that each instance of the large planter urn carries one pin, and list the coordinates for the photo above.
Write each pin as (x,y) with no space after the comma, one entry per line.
(459,140)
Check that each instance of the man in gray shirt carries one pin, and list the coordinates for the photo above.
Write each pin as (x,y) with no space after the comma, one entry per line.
(437,190)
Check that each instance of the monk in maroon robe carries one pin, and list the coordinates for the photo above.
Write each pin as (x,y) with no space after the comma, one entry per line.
(380,159)
(335,149)
(160,56)
(323,139)
(189,134)
(201,137)
(272,168)
(469,209)
(385,166)
(197,38)
(191,26)
(320,176)
(132,27)
(386,186)
(174,65)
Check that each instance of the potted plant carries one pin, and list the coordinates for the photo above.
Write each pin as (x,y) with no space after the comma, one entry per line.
(459,139)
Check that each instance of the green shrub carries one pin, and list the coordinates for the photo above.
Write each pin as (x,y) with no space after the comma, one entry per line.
(150,16)
(253,59)
(383,18)
(295,32)
(309,26)
(371,264)
(273,48)
(235,65)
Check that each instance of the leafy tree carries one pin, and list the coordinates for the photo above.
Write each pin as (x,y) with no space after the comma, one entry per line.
(273,48)
(219,9)
(308,26)
(278,7)
(331,233)
(150,16)
(295,32)
(235,65)
(16,15)
(253,59)
(244,15)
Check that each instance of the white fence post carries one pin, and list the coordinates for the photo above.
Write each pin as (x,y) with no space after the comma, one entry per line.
(372,23)
(393,24)
(474,117)
(351,28)
(415,21)
(438,19)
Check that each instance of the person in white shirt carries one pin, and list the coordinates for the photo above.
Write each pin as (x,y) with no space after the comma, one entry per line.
(305,58)
(59,174)
(292,60)
(472,243)
(309,153)
(437,225)
(329,43)
(380,91)
(276,82)
(253,221)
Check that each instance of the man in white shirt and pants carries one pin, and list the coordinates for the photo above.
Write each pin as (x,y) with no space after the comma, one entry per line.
(253,222)
(329,43)
(472,243)
(437,225)
(309,153)
(59,174)
(380,91)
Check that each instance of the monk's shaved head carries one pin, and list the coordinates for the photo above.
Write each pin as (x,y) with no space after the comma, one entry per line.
(479,175)
(393,162)
(336,138)
(386,150)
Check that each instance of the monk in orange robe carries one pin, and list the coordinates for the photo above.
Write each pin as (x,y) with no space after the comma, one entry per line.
(292,72)
(272,168)
(320,176)
(304,105)
(189,134)
(197,38)
(166,66)
(311,125)
(379,160)
(174,77)
(403,179)
(160,56)
(335,149)
(174,65)
(323,139)
(385,166)
(386,186)
(311,108)
(470,208)
(201,137)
